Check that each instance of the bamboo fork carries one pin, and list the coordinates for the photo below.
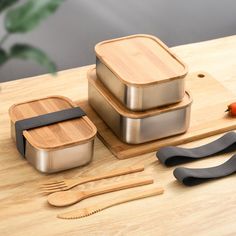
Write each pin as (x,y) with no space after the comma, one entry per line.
(63,185)
(67,198)
(79,213)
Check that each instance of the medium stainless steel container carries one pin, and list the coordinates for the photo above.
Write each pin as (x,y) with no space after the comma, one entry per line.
(140,71)
(138,127)
(59,146)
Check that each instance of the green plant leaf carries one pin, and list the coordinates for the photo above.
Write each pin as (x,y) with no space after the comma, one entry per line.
(25,17)
(27,52)
(6,3)
(3,57)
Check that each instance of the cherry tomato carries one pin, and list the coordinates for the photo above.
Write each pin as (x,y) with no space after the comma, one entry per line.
(232,109)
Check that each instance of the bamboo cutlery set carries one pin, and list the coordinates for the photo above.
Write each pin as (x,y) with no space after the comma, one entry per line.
(61,195)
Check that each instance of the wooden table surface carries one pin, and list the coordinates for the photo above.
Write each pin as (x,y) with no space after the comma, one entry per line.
(206,209)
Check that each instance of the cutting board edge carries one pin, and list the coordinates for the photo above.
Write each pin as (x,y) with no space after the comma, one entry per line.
(121,156)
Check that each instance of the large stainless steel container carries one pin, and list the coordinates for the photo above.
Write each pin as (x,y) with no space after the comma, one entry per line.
(138,127)
(140,71)
(59,146)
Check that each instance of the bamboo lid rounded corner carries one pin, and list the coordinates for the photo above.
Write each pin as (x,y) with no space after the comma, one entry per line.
(140,60)
(67,133)
(16,114)
(122,110)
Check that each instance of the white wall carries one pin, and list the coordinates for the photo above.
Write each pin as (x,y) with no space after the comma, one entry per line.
(70,35)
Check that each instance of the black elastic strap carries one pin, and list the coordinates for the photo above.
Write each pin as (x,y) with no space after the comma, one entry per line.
(43,120)
(171,155)
(192,177)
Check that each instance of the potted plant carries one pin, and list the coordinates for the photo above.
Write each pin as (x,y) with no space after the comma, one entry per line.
(22,17)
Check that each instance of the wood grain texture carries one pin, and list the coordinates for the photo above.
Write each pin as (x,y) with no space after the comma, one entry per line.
(140,60)
(121,109)
(207,210)
(58,135)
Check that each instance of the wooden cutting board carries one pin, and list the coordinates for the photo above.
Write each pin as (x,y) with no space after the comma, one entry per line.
(210,100)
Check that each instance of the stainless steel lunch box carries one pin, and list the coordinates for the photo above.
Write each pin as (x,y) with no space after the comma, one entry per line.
(138,127)
(59,146)
(140,71)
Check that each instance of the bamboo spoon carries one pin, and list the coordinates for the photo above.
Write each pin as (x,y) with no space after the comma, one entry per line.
(79,213)
(66,198)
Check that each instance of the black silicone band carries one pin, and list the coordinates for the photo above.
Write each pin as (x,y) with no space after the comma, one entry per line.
(171,155)
(191,177)
(43,120)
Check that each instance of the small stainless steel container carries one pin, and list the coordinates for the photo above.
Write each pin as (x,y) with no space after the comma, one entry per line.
(140,71)
(59,146)
(138,127)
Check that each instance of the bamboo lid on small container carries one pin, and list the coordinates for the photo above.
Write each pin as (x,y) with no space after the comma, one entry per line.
(140,60)
(55,136)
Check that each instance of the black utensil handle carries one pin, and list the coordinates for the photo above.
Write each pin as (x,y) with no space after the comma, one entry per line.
(43,120)
(191,177)
(171,155)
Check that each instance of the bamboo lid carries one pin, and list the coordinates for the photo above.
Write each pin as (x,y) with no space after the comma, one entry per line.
(122,110)
(140,60)
(58,135)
